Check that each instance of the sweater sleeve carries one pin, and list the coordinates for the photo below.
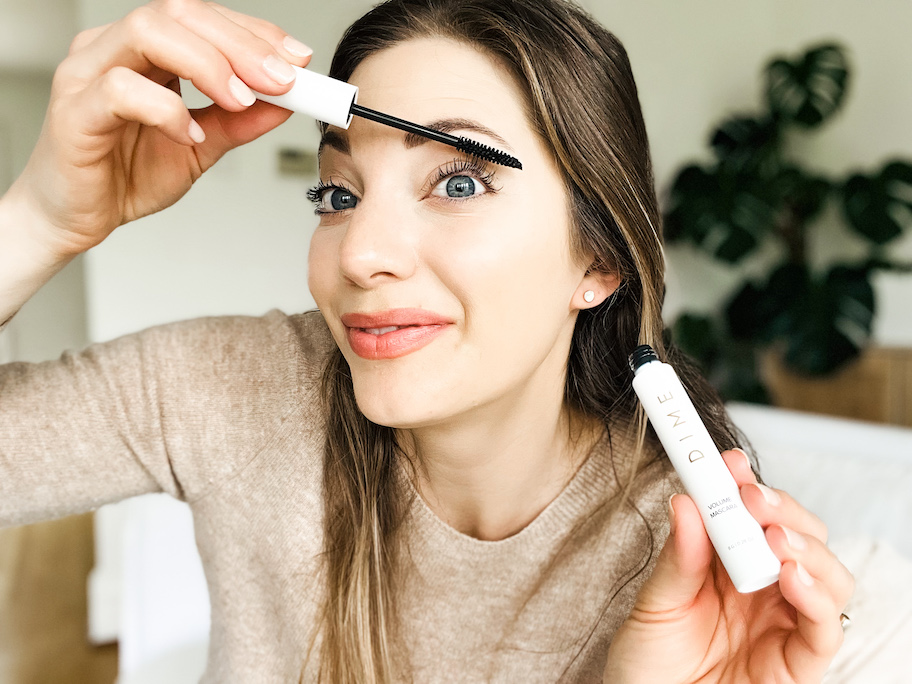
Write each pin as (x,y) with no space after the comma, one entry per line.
(176,408)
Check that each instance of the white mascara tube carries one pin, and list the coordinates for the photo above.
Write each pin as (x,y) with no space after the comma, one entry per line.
(325,99)
(736,536)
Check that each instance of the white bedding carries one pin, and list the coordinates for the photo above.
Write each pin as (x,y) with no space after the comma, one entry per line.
(878,644)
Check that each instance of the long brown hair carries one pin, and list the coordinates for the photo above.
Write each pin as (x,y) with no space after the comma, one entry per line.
(581,99)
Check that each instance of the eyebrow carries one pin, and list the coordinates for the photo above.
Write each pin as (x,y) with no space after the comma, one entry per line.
(339,140)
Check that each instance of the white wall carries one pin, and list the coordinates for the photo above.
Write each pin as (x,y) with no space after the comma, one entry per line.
(35,34)
(238,242)
(55,318)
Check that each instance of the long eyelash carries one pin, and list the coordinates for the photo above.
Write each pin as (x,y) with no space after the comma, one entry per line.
(315,194)
(478,168)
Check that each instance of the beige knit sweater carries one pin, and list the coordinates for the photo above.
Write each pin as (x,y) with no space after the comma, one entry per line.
(223,413)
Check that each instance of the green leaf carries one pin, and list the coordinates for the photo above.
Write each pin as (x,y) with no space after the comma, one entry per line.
(820,322)
(744,143)
(725,215)
(804,195)
(808,90)
(879,207)
(763,312)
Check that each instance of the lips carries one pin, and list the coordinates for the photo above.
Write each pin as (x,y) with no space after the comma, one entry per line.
(394,333)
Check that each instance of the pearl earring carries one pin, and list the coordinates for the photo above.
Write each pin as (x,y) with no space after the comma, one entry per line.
(589,295)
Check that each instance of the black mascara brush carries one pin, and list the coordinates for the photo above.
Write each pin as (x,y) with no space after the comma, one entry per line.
(334,102)
(461,143)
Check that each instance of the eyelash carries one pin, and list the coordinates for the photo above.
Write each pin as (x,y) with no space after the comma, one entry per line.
(476,168)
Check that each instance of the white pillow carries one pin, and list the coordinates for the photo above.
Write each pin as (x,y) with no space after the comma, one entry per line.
(878,643)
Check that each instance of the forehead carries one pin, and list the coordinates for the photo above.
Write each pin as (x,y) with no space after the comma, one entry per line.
(427,79)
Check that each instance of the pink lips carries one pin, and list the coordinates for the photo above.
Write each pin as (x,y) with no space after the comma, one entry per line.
(394,333)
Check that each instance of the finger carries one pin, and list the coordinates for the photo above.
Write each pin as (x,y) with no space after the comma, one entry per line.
(775,507)
(683,565)
(254,47)
(85,38)
(289,47)
(122,96)
(227,130)
(808,650)
(739,465)
(820,562)
(147,40)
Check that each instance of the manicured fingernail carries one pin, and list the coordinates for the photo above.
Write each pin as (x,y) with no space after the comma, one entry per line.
(279,70)
(196,132)
(671,513)
(772,497)
(240,91)
(747,461)
(296,47)
(795,540)
(803,576)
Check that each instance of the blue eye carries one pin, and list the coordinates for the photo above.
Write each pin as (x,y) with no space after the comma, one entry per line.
(458,181)
(339,199)
(331,198)
(460,186)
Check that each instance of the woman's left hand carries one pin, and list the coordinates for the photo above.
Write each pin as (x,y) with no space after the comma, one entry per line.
(690,624)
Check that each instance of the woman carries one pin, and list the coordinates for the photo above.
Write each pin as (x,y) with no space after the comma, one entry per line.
(443,475)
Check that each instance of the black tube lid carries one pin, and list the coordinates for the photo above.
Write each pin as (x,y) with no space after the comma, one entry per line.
(640,356)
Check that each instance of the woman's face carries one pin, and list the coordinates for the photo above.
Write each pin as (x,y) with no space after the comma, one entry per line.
(448,284)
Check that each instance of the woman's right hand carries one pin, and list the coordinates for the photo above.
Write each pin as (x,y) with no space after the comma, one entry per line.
(118,143)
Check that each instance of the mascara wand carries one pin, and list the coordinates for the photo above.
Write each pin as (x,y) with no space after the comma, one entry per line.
(334,102)
(461,143)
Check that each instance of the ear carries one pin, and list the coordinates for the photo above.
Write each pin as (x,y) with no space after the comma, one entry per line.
(595,288)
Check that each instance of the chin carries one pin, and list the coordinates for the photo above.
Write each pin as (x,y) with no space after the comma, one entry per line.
(396,409)
(396,415)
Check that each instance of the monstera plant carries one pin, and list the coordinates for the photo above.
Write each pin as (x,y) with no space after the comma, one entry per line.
(754,193)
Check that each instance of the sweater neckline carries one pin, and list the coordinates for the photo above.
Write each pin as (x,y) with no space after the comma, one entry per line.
(593,481)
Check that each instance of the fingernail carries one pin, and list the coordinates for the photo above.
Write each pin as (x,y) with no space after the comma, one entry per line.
(803,576)
(296,47)
(196,132)
(795,540)
(772,498)
(671,514)
(279,70)
(747,460)
(240,91)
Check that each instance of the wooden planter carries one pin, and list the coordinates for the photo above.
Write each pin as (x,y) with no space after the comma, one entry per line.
(877,387)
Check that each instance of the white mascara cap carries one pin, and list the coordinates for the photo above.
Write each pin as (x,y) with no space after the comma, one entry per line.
(325,99)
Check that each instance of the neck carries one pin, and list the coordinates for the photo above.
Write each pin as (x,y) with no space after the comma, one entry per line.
(489,476)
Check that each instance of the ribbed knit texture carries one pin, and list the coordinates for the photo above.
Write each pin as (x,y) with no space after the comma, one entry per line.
(223,413)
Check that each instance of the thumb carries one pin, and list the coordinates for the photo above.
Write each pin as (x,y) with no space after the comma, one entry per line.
(226,130)
(684,563)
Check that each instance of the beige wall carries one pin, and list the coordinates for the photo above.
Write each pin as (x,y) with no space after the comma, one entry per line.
(55,319)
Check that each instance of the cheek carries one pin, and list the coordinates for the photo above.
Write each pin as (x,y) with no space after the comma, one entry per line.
(321,262)
(517,253)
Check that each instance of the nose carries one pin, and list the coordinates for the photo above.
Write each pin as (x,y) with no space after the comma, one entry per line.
(379,245)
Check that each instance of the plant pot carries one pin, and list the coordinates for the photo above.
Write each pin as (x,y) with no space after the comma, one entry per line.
(876,387)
